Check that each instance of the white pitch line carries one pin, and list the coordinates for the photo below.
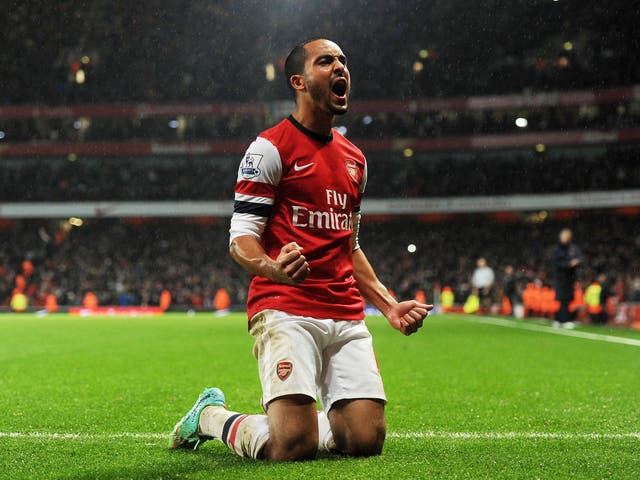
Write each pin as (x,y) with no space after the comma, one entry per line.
(514,435)
(524,325)
(82,436)
(394,435)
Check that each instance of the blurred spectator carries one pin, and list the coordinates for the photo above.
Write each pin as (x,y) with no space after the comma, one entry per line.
(390,175)
(482,282)
(635,289)
(72,51)
(566,259)
(370,125)
(606,292)
(510,288)
(136,260)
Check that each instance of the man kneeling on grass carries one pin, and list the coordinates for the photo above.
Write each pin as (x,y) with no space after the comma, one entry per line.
(295,229)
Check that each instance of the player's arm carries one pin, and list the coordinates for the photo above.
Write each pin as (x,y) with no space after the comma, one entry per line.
(289,267)
(407,317)
(258,178)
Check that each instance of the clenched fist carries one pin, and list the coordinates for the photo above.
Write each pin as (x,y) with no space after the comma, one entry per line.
(291,266)
(407,317)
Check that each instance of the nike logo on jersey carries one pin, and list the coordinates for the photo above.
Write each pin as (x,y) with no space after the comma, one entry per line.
(299,168)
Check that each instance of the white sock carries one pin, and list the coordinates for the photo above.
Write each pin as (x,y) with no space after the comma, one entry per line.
(325,437)
(246,435)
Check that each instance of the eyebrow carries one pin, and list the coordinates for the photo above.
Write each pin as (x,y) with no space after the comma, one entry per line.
(342,57)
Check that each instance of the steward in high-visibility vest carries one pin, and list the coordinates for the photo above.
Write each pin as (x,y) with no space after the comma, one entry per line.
(532,300)
(421,297)
(472,305)
(21,283)
(578,298)
(19,301)
(506,309)
(165,299)
(592,298)
(27,268)
(447,299)
(221,300)
(527,301)
(90,300)
(51,303)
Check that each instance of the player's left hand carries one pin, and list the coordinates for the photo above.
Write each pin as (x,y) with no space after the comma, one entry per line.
(407,317)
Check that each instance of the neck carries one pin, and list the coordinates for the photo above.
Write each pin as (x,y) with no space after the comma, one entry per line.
(317,121)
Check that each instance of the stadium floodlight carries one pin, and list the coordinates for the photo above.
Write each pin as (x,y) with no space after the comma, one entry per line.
(521,122)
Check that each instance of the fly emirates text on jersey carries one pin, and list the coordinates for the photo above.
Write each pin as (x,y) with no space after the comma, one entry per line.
(334,218)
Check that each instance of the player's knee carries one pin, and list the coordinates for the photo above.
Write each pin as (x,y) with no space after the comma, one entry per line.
(364,442)
(368,443)
(293,448)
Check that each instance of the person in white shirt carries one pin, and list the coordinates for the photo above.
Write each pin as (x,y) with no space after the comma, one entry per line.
(482,281)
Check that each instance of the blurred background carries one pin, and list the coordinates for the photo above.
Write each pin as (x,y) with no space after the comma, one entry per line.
(488,126)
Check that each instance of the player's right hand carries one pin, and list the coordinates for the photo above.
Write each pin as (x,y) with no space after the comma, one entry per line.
(291,266)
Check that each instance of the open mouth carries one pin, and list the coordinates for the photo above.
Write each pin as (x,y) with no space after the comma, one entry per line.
(339,87)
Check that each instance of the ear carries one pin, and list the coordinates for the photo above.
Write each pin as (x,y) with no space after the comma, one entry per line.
(298,83)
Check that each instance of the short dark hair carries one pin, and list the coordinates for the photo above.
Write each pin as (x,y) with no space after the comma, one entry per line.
(294,64)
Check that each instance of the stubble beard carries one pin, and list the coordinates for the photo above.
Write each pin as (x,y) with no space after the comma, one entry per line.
(322,97)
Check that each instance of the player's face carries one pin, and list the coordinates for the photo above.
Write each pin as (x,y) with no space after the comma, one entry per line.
(327,76)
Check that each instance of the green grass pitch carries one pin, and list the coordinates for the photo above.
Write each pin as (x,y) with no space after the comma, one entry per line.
(97,397)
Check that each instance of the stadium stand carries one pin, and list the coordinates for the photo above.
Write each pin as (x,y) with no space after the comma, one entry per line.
(160,52)
(189,258)
(531,132)
(422,175)
(615,108)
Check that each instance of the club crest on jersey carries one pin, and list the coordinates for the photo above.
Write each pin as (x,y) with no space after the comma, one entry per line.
(352,168)
(249,168)
(284,370)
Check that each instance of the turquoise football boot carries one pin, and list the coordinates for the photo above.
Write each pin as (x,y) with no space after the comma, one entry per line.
(185,433)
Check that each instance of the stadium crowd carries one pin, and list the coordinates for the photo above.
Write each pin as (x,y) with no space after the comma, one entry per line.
(422,175)
(66,53)
(358,125)
(132,262)
(157,51)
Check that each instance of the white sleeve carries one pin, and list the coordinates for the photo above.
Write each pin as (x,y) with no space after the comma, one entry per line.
(258,177)
(356,216)
(355,240)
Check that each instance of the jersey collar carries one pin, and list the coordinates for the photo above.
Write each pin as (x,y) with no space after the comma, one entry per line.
(309,133)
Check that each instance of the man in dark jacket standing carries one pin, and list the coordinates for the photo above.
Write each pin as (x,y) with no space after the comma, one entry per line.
(566,259)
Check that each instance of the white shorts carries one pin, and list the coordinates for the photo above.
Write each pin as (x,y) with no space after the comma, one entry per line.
(324,359)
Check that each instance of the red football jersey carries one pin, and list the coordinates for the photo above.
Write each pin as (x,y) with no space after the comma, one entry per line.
(296,185)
